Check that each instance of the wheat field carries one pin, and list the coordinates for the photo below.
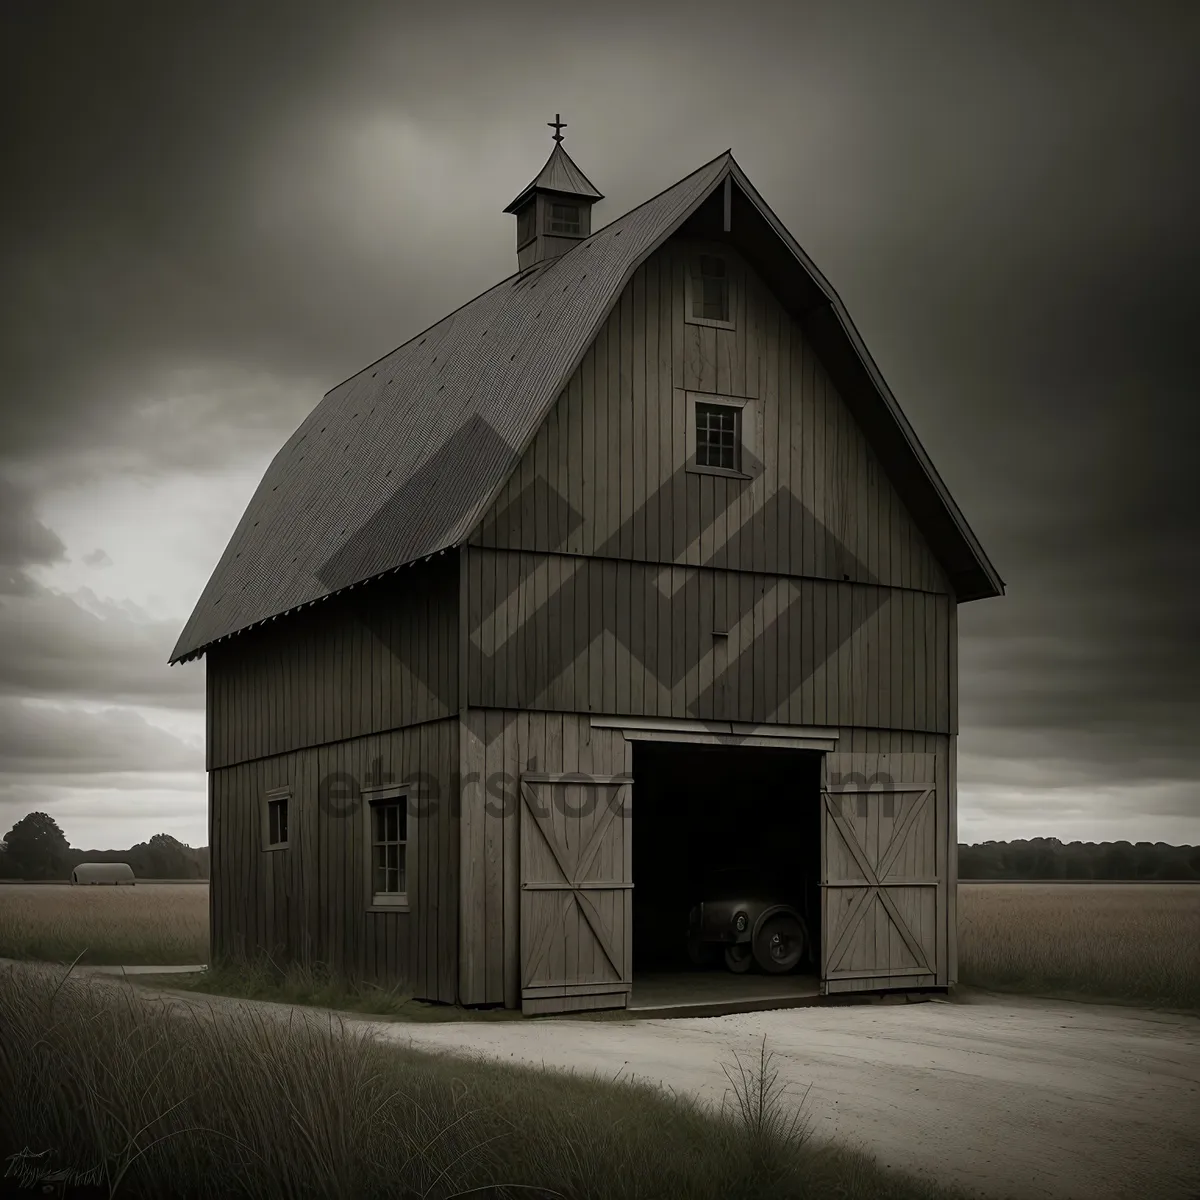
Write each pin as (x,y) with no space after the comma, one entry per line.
(159,924)
(1125,941)
(1117,940)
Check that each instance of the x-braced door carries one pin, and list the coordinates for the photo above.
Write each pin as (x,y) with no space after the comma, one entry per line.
(576,892)
(883,895)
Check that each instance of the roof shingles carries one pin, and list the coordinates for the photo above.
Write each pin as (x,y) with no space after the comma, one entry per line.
(400,461)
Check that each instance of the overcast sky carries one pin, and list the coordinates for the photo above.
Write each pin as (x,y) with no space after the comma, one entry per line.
(210,218)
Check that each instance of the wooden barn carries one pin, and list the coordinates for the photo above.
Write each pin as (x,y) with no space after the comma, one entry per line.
(628,566)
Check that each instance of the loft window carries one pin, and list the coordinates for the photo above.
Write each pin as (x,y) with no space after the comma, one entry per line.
(564,218)
(275,819)
(525,219)
(719,436)
(710,288)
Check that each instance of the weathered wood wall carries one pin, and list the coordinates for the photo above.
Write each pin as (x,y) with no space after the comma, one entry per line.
(579,634)
(495,748)
(376,658)
(320,696)
(871,954)
(835,609)
(604,475)
(596,582)
(309,900)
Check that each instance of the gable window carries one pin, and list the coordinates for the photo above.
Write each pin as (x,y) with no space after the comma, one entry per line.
(722,433)
(275,819)
(387,842)
(718,436)
(564,218)
(710,288)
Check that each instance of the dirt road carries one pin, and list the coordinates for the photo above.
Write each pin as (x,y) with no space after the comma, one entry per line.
(1018,1098)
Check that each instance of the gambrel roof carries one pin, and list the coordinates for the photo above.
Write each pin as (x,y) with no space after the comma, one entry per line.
(402,460)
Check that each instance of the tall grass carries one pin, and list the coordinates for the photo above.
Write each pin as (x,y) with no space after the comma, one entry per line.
(1119,941)
(157,924)
(317,985)
(168,1101)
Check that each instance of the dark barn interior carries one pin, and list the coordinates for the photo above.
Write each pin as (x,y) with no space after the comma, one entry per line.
(698,808)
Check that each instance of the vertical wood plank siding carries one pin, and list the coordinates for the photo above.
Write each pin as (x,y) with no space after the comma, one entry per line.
(836,610)
(376,658)
(797,651)
(613,451)
(308,902)
(495,748)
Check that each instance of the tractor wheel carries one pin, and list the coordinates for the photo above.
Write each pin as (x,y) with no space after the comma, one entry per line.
(779,944)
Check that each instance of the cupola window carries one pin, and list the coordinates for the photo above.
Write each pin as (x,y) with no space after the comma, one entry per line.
(564,218)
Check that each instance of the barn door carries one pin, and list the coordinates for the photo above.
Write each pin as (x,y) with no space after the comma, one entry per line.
(576,892)
(883,872)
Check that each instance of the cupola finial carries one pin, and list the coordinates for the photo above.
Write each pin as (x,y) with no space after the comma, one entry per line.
(554,213)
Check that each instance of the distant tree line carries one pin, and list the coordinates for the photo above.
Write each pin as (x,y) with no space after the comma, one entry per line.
(1048,858)
(36,849)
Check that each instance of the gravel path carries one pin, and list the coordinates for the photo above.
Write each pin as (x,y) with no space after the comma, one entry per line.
(1020,1099)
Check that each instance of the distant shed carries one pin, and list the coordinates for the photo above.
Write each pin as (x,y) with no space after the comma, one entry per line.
(103,872)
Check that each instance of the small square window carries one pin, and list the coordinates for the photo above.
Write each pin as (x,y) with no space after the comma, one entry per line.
(275,823)
(564,218)
(710,288)
(719,436)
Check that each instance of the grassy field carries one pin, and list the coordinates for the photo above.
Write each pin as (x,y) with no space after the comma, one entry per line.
(1131,942)
(161,924)
(1124,941)
(158,1102)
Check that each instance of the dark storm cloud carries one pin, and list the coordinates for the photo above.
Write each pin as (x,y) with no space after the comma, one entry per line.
(40,743)
(24,540)
(76,646)
(81,647)
(222,212)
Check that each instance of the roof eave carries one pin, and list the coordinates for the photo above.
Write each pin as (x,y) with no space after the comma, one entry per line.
(533,188)
(183,656)
(981,580)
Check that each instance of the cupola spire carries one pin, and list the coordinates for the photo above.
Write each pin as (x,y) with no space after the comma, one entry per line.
(555,211)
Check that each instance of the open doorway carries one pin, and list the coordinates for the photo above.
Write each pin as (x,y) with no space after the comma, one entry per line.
(700,811)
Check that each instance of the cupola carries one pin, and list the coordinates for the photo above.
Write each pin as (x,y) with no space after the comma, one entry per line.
(555,211)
